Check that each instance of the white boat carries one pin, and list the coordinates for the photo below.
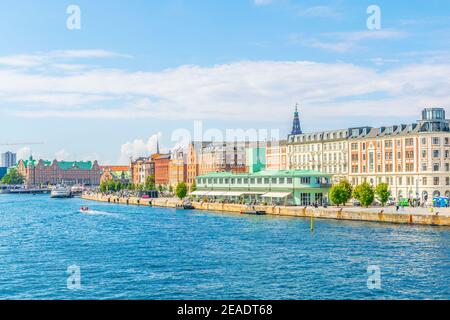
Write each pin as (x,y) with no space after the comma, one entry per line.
(60,192)
(77,190)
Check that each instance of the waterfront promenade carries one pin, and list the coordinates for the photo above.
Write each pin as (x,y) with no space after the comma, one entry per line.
(415,216)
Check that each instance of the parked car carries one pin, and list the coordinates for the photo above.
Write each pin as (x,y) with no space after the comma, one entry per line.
(376,203)
(356,203)
(390,202)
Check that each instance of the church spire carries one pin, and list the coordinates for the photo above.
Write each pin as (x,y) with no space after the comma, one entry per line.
(157,145)
(296,129)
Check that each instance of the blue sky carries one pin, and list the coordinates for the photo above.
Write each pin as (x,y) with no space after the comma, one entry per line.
(140,68)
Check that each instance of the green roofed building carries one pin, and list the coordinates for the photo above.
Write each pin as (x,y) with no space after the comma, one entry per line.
(284,187)
(43,172)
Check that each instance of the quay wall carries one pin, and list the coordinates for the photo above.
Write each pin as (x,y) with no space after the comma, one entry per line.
(320,213)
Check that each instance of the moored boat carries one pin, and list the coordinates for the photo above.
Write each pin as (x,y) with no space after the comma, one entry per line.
(254,212)
(60,192)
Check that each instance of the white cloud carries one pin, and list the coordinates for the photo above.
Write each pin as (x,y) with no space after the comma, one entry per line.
(257,90)
(52,58)
(318,12)
(23,153)
(62,155)
(343,42)
(139,148)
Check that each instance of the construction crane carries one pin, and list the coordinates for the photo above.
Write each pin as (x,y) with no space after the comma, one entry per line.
(20,144)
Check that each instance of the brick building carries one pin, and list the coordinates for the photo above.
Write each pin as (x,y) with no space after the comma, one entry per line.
(42,172)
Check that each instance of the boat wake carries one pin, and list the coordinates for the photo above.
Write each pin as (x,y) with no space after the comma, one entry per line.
(96,213)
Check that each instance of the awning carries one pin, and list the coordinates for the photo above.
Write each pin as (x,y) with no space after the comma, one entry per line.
(252,193)
(234,193)
(199,193)
(276,195)
(217,193)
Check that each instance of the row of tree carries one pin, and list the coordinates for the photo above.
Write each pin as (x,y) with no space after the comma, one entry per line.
(13,177)
(181,189)
(365,193)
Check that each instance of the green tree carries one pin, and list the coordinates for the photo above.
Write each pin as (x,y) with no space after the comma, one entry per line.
(103,186)
(364,193)
(337,195)
(149,183)
(111,186)
(193,186)
(13,177)
(348,189)
(181,190)
(341,193)
(118,186)
(382,192)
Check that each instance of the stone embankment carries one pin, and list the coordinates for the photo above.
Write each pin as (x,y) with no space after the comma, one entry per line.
(373,215)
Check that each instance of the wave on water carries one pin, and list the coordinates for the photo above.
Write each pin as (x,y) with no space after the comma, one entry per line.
(97,213)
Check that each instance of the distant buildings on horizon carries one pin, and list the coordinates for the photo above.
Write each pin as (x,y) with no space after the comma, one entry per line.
(414,159)
(8,159)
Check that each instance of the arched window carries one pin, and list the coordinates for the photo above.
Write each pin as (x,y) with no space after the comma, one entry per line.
(447,194)
(436,194)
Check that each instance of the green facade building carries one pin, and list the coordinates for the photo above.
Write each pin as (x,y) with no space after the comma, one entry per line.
(284,187)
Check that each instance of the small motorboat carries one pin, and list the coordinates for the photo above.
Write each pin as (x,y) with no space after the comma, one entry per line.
(84,209)
(254,212)
(185,207)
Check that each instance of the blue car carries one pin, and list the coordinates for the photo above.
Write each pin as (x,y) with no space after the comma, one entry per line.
(440,202)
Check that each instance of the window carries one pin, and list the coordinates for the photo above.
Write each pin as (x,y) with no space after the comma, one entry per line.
(282,180)
(409,142)
(274,180)
(436,167)
(266,180)
(259,181)
(424,141)
(409,154)
(305,199)
(436,140)
(436,153)
(424,153)
(289,180)
(424,181)
(424,167)
(246,181)
(436,181)
(305,180)
(447,181)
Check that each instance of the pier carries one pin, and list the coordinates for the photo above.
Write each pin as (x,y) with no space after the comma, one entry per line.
(28,191)
(412,216)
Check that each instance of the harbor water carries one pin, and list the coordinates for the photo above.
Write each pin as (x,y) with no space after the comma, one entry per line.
(128,252)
